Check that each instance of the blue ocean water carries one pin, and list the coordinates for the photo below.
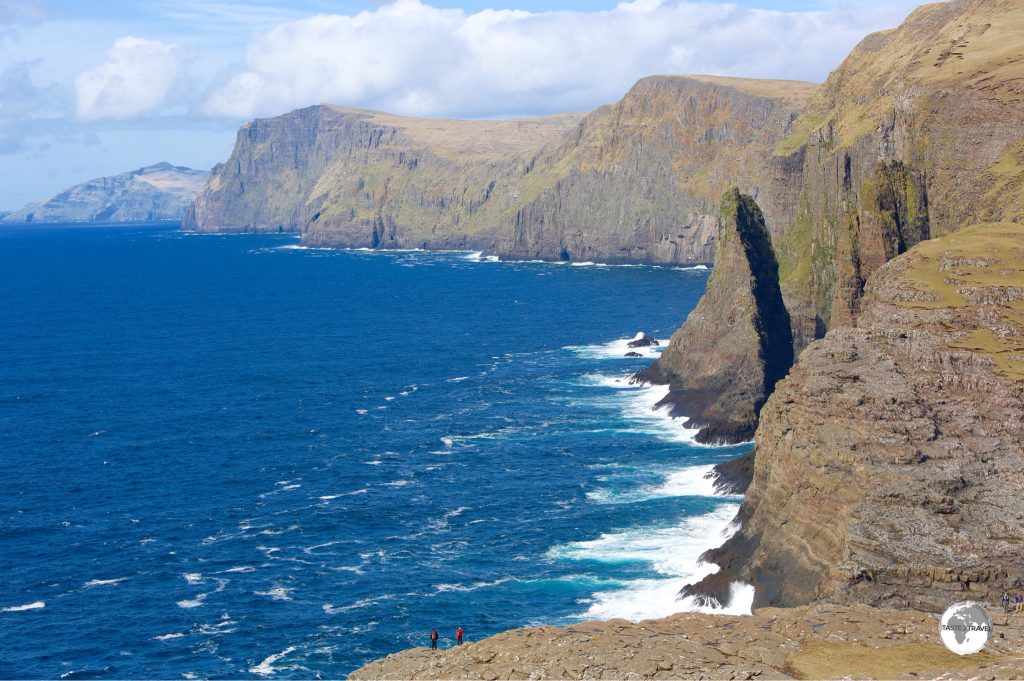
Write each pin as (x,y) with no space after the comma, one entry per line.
(226,456)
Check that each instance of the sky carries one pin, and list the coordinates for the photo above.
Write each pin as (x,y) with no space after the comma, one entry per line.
(89,89)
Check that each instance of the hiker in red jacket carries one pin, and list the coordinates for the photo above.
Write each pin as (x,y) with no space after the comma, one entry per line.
(458,636)
(433,639)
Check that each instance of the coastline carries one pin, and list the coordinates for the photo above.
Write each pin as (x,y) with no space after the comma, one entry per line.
(807,642)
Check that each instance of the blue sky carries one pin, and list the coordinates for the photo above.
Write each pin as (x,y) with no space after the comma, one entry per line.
(96,88)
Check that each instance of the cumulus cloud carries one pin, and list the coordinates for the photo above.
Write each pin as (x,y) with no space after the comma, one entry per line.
(138,77)
(408,57)
(24,106)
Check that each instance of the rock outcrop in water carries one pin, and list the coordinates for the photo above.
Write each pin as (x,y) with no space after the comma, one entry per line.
(157,192)
(737,343)
(637,181)
(890,463)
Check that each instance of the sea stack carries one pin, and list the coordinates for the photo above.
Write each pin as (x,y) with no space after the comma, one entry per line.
(737,343)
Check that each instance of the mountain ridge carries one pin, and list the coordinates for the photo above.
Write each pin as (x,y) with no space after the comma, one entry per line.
(157,192)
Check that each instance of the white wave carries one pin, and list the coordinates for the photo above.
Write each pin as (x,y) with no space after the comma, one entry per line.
(458,379)
(692,481)
(240,568)
(266,668)
(639,407)
(616,349)
(28,606)
(300,247)
(362,412)
(741,601)
(277,593)
(193,577)
(673,552)
(588,263)
(463,588)
(191,602)
(168,637)
(616,381)
(691,268)
(103,582)
(358,605)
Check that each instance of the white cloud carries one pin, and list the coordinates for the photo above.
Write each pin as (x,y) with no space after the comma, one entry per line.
(138,77)
(411,58)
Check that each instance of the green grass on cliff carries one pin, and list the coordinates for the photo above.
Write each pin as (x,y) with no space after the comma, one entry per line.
(987,259)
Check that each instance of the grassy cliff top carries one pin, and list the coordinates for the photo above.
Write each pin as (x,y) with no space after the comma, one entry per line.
(793,91)
(479,139)
(970,44)
(982,264)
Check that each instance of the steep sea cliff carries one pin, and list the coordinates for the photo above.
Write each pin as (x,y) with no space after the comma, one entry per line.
(887,464)
(638,181)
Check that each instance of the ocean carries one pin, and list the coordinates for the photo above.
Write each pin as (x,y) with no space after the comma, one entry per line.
(229,456)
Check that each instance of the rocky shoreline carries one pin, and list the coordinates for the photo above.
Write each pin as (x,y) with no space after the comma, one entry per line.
(809,642)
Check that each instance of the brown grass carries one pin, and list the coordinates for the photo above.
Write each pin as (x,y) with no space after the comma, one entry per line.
(821,660)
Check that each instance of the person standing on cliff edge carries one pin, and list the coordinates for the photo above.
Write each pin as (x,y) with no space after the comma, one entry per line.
(458,636)
(433,639)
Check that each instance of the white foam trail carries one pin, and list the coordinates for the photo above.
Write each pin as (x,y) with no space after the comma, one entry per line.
(266,668)
(28,606)
(587,263)
(363,603)
(168,637)
(616,349)
(692,268)
(193,577)
(671,551)
(463,588)
(103,582)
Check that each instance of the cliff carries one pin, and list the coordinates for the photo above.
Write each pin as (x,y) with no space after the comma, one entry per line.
(634,182)
(348,177)
(156,192)
(816,642)
(890,461)
(736,344)
(919,132)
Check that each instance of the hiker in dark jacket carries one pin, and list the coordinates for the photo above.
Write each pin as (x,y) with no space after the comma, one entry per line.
(433,639)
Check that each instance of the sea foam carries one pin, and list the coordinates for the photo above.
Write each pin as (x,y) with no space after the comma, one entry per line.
(672,552)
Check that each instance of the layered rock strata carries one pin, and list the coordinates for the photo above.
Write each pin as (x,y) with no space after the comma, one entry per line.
(890,463)
(919,132)
(736,344)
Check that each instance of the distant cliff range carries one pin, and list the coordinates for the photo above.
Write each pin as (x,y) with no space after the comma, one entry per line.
(153,193)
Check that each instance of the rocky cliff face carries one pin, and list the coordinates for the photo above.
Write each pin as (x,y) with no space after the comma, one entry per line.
(736,344)
(156,192)
(640,181)
(919,132)
(890,463)
(634,182)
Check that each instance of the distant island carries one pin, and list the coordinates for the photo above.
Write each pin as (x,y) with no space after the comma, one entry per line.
(158,192)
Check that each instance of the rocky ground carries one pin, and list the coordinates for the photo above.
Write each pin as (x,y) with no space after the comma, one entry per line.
(810,642)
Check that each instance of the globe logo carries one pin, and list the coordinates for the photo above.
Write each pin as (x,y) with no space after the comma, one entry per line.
(965,627)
